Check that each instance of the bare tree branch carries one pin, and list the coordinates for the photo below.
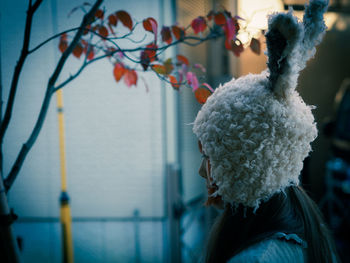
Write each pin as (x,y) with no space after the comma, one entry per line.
(51,38)
(49,92)
(14,83)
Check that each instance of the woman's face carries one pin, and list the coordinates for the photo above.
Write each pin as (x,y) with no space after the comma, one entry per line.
(204,171)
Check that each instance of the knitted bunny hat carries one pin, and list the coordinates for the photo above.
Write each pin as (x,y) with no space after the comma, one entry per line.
(256,129)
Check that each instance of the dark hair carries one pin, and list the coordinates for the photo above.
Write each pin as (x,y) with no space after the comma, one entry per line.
(289,212)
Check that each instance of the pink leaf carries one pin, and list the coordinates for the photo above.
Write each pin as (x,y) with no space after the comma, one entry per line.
(192,80)
(229,28)
(130,78)
(201,67)
(208,87)
(151,25)
(199,24)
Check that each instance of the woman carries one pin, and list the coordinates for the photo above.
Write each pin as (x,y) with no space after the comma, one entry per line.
(254,134)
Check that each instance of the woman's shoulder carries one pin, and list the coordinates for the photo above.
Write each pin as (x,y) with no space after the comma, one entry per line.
(280,247)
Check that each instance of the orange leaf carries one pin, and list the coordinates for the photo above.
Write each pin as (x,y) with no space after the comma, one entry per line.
(63,37)
(166,35)
(62,45)
(78,50)
(202,95)
(125,18)
(113,20)
(160,69)
(99,14)
(174,82)
(178,32)
(118,71)
(182,59)
(130,77)
(199,24)
(91,53)
(220,19)
(103,31)
(255,46)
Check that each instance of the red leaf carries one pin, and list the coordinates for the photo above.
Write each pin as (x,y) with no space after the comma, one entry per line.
(112,20)
(160,69)
(62,45)
(87,29)
(78,50)
(237,49)
(174,82)
(118,71)
(130,77)
(99,14)
(199,24)
(229,29)
(183,59)
(255,46)
(125,18)
(103,31)
(220,19)
(228,44)
(145,60)
(202,95)
(166,35)
(150,24)
(151,53)
(178,32)
(91,53)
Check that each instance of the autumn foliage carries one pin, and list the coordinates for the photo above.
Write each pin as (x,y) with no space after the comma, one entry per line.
(178,70)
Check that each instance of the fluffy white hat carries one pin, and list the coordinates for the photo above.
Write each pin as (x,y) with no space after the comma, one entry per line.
(257,130)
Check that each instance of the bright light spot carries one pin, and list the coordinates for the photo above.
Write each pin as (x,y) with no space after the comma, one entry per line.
(255,12)
(330,19)
(340,24)
(243,37)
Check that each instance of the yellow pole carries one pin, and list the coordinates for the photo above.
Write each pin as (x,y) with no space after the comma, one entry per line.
(66,221)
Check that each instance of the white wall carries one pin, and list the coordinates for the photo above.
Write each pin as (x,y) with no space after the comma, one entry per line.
(114,144)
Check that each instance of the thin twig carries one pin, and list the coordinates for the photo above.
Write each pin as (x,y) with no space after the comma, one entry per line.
(14,83)
(49,91)
(199,41)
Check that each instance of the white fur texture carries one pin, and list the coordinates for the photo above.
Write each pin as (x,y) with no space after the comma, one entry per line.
(256,136)
(256,143)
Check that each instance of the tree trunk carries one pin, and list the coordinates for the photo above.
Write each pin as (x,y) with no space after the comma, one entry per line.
(9,251)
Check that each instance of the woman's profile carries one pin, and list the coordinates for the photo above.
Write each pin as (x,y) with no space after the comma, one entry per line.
(254,133)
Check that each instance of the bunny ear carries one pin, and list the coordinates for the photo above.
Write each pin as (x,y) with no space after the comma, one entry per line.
(282,39)
(291,44)
(314,27)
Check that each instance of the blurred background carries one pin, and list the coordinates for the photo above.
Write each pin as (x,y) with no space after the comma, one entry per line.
(131,158)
